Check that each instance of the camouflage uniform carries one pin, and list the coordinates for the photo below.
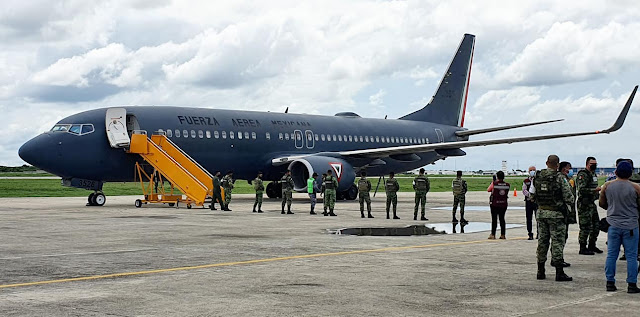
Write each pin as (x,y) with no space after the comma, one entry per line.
(421,186)
(552,195)
(287,189)
(217,197)
(258,185)
(587,210)
(391,187)
(330,185)
(227,184)
(364,187)
(459,187)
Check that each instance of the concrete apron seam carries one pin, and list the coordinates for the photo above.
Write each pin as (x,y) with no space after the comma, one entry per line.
(267,260)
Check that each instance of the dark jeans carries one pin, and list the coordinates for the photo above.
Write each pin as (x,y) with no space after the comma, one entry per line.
(495,213)
(531,210)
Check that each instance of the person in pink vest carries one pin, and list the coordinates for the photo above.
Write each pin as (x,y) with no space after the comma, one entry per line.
(499,190)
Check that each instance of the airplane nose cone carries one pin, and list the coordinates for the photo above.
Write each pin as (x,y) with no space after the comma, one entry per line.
(34,150)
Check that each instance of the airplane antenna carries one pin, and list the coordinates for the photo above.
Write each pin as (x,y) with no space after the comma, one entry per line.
(286,110)
(385,117)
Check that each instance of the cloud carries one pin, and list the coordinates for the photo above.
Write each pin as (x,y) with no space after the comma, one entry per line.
(377,98)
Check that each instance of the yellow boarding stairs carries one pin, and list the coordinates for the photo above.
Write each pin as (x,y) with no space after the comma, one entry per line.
(174,165)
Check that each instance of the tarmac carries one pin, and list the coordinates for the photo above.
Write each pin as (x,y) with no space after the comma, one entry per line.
(60,258)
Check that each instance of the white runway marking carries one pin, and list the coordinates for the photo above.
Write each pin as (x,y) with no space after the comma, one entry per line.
(567,304)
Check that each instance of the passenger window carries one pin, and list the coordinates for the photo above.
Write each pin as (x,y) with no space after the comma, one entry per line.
(170,133)
(253,135)
(317,137)
(239,135)
(286,136)
(280,136)
(246,135)
(208,134)
(87,128)
(292,136)
(366,138)
(75,129)
(185,133)
(406,140)
(322,137)
(378,139)
(232,135)
(340,138)
(350,138)
(177,133)
(344,137)
(200,134)
(224,134)
(193,134)
(360,138)
(334,138)
(299,137)
(216,134)
(268,136)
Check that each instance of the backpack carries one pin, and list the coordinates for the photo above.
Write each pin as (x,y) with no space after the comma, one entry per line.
(363,185)
(548,189)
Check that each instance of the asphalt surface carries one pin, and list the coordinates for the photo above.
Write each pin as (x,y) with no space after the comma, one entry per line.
(60,258)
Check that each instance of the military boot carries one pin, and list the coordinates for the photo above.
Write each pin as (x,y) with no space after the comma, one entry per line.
(370,215)
(584,250)
(633,288)
(593,248)
(530,236)
(362,214)
(282,209)
(541,272)
(423,218)
(312,212)
(324,213)
(415,216)
(395,216)
(611,286)
(463,221)
(561,276)
(454,220)
(254,209)
(332,214)
(388,214)
(289,210)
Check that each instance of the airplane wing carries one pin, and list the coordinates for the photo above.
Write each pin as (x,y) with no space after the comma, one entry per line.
(408,149)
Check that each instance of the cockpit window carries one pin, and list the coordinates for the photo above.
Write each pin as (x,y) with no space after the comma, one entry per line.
(87,128)
(77,129)
(60,127)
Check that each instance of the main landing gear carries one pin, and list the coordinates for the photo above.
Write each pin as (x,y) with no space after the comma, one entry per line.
(96,199)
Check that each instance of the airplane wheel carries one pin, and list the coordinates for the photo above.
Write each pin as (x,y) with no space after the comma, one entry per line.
(188,206)
(90,199)
(339,195)
(171,204)
(351,193)
(272,190)
(99,199)
(138,203)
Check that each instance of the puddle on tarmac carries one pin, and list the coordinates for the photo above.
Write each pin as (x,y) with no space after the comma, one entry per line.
(419,230)
(478,208)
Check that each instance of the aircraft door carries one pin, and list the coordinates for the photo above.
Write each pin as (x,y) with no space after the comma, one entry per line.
(116,124)
(309,137)
(297,135)
(440,136)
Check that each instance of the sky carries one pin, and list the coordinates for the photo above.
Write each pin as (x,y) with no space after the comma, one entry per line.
(534,60)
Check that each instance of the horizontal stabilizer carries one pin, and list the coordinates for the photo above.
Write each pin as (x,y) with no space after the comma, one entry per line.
(507,127)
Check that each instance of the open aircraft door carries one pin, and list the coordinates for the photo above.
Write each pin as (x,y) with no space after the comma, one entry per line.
(116,124)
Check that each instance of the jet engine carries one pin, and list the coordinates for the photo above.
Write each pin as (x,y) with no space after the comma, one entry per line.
(302,168)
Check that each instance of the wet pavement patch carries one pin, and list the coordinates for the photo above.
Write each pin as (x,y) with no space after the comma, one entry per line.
(419,230)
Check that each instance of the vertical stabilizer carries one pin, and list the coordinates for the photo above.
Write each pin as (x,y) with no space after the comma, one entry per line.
(449,103)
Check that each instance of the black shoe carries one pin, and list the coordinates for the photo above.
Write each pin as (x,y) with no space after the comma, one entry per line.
(541,274)
(633,288)
(332,214)
(423,218)
(530,236)
(312,213)
(254,210)
(227,209)
(325,214)
(370,216)
(463,221)
(415,217)
(566,264)
(361,215)
(260,211)
(561,276)
(212,208)
(388,215)
(396,217)
(584,250)
(454,220)
(282,213)
(611,286)
(593,248)
(289,213)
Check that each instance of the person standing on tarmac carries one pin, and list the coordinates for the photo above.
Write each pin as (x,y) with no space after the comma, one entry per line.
(312,189)
(287,189)
(566,170)
(459,188)
(227,184)
(552,194)
(421,186)
(587,190)
(531,207)
(330,185)
(498,203)
(217,193)
(391,188)
(364,187)
(258,185)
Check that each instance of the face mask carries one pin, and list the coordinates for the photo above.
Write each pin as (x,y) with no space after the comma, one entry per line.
(570,174)
(593,167)
(532,173)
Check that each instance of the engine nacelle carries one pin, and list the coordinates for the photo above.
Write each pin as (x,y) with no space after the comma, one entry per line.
(302,169)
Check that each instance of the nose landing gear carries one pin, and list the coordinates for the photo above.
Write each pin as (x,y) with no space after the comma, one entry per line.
(96,199)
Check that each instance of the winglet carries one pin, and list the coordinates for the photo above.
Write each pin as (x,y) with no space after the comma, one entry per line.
(623,114)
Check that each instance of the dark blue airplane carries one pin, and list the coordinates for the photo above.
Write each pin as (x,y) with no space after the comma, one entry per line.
(89,148)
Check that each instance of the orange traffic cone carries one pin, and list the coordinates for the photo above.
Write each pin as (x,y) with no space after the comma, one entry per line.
(515,192)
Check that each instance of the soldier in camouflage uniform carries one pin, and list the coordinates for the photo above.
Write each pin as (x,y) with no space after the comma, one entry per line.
(571,218)
(259,187)
(421,186)
(227,184)
(287,189)
(552,194)
(330,184)
(588,192)
(217,197)
(391,187)
(459,187)
(364,187)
